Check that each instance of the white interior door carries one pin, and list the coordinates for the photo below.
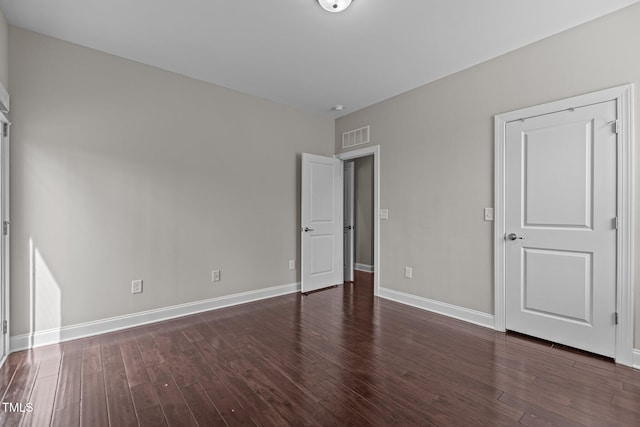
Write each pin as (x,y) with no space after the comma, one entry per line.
(560,222)
(322,203)
(349,220)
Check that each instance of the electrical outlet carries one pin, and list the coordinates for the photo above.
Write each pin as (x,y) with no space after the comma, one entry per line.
(292,264)
(408,272)
(488,214)
(136,287)
(384,213)
(215,276)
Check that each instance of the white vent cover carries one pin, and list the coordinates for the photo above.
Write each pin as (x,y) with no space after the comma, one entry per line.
(355,137)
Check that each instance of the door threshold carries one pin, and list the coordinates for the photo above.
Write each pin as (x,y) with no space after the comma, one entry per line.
(551,344)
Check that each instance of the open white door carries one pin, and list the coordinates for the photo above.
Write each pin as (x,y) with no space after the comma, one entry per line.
(561,227)
(349,220)
(322,227)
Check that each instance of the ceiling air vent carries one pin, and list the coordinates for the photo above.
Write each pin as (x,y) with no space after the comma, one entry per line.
(355,137)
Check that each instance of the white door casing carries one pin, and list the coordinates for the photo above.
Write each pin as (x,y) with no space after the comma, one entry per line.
(560,225)
(349,220)
(322,226)
(5,255)
(565,212)
(4,237)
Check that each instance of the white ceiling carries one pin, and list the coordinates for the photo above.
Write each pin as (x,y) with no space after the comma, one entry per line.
(293,52)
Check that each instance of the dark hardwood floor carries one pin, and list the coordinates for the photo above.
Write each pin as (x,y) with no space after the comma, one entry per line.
(333,358)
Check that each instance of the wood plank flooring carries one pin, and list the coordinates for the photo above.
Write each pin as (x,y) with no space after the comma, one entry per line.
(333,358)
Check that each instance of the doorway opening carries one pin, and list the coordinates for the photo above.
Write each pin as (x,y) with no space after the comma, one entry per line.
(364,265)
(358,217)
(322,224)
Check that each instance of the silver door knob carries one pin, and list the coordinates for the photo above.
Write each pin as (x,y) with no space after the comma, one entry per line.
(307,229)
(514,236)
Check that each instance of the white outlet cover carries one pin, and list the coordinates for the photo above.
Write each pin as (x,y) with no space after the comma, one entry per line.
(408,272)
(136,286)
(292,264)
(215,275)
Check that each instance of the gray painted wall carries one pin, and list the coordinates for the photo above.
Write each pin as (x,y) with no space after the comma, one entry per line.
(121,171)
(437,154)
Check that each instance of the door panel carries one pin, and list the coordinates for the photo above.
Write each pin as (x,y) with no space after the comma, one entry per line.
(561,208)
(322,203)
(545,268)
(558,189)
(321,248)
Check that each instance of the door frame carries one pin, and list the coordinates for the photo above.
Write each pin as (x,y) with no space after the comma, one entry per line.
(5,246)
(375,152)
(5,238)
(623,95)
(349,207)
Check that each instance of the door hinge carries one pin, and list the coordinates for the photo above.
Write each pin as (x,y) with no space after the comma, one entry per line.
(615,317)
(5,129)
(616,222)
(4,327)
(5,227)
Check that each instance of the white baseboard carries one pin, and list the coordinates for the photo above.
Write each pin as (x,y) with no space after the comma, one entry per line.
(363,267)
(82,330)
(635,354)
(460,313)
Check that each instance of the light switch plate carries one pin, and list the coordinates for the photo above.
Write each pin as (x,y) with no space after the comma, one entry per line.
(488,214)
(384,213)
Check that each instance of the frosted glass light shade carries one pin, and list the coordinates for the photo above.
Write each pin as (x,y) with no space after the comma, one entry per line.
(334,5)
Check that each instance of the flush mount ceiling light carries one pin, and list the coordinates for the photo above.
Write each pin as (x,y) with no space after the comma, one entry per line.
(334,5)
